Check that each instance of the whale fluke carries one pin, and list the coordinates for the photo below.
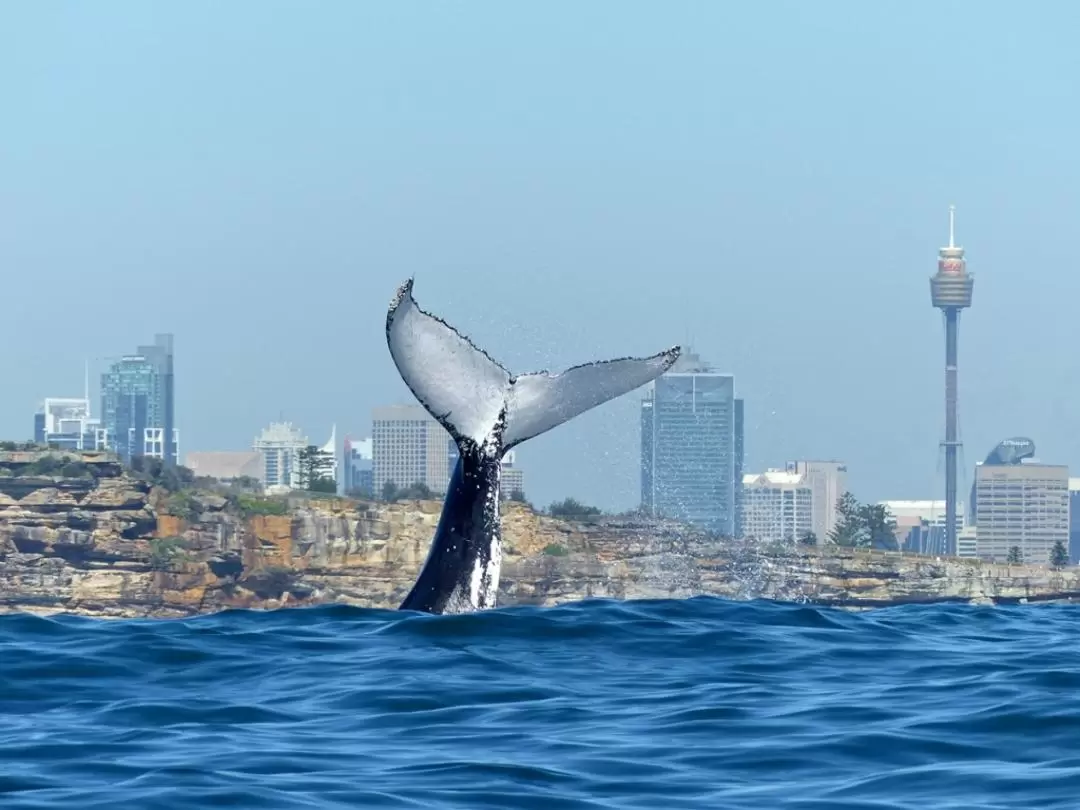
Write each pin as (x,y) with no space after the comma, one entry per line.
(470,393)
(487,410)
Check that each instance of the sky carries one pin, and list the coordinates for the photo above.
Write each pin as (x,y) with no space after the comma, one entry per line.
(767,181)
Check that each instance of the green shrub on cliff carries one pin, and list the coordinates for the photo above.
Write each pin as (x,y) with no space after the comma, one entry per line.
(183,505)
(165,552)
(46,465)
(572,509)
(252,505)
(54,465)
(171,478)
(555,550)
(77,469)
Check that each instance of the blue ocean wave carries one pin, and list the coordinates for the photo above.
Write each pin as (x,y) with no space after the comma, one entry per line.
(699,703)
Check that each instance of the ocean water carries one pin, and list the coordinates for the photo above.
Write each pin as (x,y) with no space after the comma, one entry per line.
(701,703)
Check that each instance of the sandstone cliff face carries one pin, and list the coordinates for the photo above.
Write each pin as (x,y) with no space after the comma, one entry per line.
(103,544)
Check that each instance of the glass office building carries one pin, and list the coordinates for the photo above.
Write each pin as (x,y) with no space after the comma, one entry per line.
(137,403)
(691,447)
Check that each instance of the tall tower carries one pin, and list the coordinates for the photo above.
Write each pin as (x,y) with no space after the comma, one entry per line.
(950,291)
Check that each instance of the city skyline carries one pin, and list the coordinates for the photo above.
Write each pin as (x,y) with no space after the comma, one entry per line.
(951,260)
(967,472)
(691,462)
(785,215)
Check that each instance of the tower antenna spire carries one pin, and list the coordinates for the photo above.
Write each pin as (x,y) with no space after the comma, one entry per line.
(952,225)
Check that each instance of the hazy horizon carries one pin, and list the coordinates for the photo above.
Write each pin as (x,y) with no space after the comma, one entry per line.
(769,183)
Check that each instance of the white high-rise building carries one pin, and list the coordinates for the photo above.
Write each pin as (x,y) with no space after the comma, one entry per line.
(409,447)
(65,422)
(511,478)
(777,505)
(280,445)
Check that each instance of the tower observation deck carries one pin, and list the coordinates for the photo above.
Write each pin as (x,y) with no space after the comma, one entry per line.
(951,287)
(950,291)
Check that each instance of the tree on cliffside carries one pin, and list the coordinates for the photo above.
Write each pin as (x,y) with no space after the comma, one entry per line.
(1015,556)
(169,477)
(849,529)
(416,491)
(315,470)
(858,525)
(572,508)
(880,526)
(1059,555)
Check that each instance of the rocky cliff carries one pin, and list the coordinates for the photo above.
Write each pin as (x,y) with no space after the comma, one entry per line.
(78,534)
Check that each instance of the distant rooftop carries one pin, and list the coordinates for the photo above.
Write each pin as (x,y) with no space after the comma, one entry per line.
(281,432)
(773,478)
(226,464)
(690,362)
(923,508)
(401,413)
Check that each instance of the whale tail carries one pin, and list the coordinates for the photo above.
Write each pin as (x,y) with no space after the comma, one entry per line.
(477,400)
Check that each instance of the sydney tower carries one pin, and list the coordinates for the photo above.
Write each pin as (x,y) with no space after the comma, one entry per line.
(950,291)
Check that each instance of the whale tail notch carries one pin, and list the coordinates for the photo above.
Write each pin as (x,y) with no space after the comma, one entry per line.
(473,396)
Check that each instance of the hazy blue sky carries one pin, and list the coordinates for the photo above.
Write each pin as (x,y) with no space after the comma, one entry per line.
(567,181)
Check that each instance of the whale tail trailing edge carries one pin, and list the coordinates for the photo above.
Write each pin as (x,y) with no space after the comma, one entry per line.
(473,396)
(540,401)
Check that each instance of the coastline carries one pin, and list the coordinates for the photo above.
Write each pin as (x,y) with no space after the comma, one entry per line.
(104,543)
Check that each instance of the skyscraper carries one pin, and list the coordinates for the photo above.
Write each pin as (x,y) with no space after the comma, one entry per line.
(950,291)
(777,505)
(280,445)
(1008,451)
(409,447)
(511,478)
(689,446)
(137,403)
(1024,505)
